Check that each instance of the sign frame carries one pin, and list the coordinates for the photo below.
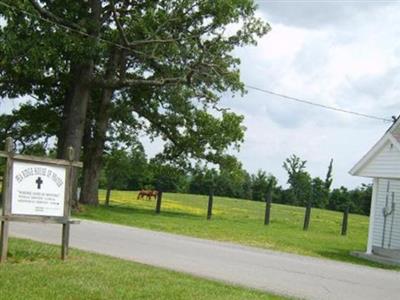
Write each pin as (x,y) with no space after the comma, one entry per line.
(7,215)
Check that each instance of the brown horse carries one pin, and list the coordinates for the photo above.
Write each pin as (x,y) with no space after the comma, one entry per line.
(147,193)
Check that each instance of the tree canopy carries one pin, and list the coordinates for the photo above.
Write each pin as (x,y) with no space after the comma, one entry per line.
(156,67)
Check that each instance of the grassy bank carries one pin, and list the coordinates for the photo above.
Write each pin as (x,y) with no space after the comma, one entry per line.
(240,221)
(34,271)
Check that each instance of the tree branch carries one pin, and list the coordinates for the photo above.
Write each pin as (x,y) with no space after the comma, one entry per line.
(44,13)
(140,42)
(117,84)
(119,25)
(158,41)
(162,129)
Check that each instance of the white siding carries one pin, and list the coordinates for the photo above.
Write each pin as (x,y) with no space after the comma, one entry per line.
(392,231)
(385,164)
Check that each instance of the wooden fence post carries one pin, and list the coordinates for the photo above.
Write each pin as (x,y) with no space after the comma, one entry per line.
(268,200)
(6,202)
(108,195)
(345,220)
(210,203)
(307,216)
(158,203)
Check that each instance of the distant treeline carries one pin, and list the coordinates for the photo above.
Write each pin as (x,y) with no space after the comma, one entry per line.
(129,169)
(133,171)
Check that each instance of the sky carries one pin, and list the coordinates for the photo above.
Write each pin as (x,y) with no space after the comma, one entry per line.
(344,54)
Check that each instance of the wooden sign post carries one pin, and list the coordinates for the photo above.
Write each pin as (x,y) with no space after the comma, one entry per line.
(36,190)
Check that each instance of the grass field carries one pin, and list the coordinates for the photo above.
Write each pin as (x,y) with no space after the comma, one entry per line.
(34,271)
(240,221)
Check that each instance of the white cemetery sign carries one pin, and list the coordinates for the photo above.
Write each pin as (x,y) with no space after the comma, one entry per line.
(36,189)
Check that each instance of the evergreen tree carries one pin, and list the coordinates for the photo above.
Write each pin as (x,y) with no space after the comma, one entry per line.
(329,176)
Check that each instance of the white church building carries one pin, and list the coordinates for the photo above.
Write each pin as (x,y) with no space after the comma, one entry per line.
(382,164)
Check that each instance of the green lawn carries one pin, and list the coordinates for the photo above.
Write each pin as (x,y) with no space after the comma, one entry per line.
(239,221)
(34,271)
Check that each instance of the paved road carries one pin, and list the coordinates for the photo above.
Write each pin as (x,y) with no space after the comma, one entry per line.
(281,273)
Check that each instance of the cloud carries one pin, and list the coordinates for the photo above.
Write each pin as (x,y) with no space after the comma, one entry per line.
(312,14)
(345,55)
(268,144)
(372,89)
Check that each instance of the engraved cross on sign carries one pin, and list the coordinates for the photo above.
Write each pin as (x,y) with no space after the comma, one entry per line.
(39,182)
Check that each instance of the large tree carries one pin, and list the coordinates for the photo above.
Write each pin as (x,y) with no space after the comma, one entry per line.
(165,61)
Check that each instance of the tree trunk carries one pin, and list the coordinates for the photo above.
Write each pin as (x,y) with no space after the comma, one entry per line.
(94,152)
(76,102)
(74,117)
(75,108)
(91,175)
